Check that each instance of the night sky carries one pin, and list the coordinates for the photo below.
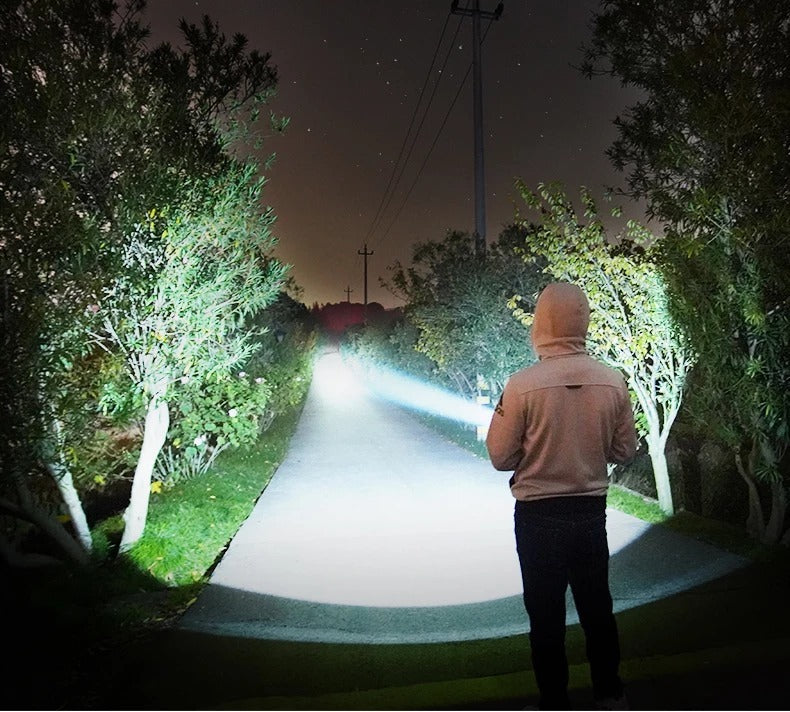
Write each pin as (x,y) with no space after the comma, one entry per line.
(351,73)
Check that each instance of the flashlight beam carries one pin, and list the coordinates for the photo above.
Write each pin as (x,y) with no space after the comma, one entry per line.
(415,394)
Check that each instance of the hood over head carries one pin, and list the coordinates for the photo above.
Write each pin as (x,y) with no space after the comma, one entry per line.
(562,315)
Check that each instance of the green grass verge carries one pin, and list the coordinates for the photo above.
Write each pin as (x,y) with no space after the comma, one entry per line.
(635,504)
(188,528)
(190,525)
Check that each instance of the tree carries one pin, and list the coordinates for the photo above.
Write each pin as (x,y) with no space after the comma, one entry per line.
(630,325)
(458,301)
(98,132)
(209,267)
(706,147)
(61,122)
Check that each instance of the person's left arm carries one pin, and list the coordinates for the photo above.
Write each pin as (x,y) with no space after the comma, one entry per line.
(505,438)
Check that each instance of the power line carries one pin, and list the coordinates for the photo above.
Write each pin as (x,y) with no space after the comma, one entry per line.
(435,140)
(389,191)
(480,203)
(389,194)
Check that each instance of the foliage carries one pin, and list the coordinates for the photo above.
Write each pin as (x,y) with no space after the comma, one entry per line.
(122,203)
(210,417)
(706,146)
(286,334)
(458,302)
(630,325)
(64,117)
(711,125)
(391,344)
(195,272)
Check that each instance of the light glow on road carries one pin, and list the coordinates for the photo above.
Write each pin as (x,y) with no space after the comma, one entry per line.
(334,380)
(376,530)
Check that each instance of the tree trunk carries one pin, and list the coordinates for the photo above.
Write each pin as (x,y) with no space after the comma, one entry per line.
(157,421)
(658,459)
(49,525)
(775,526)
(62,476)
(755,523)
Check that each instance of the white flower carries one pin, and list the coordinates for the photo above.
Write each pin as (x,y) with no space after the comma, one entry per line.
(242,374)
(184,379)
(233,412)
(259,380)
(200,439)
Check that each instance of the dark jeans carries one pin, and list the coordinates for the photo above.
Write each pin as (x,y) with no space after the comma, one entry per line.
(562,540)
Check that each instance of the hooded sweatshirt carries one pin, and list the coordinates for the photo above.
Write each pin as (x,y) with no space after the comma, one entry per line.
(561,420)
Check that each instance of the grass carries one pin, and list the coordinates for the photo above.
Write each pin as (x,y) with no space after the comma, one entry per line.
(635,504)
(72,622)
(190,525)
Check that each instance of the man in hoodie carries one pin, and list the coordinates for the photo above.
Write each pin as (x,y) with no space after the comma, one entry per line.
(557,425)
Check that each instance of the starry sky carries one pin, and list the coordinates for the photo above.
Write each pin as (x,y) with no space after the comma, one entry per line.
(354,79)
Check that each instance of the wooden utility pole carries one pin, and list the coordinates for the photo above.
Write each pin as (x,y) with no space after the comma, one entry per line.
(348,291)
(480,202)
(366,254)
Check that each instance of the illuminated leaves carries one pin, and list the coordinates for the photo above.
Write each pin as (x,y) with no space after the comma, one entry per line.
(706,147)
(458,302)
(631,328)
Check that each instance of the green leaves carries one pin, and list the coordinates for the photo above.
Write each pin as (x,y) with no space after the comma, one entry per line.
(706,146)
(458,303)
(631,327)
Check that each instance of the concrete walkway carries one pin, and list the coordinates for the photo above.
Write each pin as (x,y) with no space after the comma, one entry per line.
(377,530)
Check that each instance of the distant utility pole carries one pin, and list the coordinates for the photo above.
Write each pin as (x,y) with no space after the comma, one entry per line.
(480,203)
(366,255)
(348,291)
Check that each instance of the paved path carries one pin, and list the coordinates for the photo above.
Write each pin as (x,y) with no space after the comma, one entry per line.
(377,530)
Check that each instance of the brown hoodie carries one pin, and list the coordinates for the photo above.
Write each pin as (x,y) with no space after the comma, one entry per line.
(562,419)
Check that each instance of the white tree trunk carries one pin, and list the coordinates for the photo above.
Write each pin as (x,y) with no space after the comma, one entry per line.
(656,441)
(157,421)
(62,476)
(658,459)
(31,511)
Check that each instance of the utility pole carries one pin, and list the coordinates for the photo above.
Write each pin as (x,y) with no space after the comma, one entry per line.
(348,291)
(480,205)
(366,255)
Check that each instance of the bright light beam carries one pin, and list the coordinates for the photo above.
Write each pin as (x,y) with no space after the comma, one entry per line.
(417,395)
(335,381)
